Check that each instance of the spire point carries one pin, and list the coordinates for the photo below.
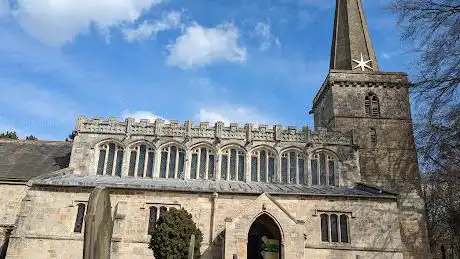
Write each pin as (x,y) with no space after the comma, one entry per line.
(352,47)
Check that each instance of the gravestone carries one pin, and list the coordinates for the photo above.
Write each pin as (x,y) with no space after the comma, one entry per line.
(98,226)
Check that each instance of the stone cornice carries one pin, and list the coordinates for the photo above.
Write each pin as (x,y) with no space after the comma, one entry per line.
(344,78)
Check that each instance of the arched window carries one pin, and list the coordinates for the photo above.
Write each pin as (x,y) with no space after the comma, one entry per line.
(323,169)
(141,161)
(263,166)
(232,164)
(172,162)
(80,218)
(110,159)
(203,163)
(334,228)
(372,106)
(293,167)
(373,136)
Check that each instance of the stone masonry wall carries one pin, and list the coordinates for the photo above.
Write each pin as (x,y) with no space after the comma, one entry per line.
(48,224)
(391,162)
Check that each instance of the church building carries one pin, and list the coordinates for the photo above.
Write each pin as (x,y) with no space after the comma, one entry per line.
(349,188)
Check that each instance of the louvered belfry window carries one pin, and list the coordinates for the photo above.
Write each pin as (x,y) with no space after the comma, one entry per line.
(372,105)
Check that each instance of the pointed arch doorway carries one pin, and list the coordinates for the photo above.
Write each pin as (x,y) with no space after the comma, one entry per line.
(264,239)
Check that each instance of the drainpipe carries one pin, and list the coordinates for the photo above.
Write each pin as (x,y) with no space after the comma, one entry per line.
(213,216)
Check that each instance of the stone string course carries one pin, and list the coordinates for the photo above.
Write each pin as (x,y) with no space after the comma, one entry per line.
(249,133)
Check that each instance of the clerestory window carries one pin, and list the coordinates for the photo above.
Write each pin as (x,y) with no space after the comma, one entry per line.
(172,162)
(203,163)
(232,164)
(110,159)
(141,161)
(293,167)
(323,169)
(263,166)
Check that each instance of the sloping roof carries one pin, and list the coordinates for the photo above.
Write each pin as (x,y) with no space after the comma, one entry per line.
(22,160)
(66,178)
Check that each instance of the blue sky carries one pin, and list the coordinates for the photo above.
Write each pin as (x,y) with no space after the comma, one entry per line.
(259,61)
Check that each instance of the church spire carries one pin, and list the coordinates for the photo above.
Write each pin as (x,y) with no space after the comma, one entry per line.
(351,46)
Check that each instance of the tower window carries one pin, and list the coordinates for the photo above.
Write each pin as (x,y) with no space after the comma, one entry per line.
(373,137)
(371,105)
(80,218)
(334,228)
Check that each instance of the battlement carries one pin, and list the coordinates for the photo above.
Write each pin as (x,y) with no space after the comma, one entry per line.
(188,130)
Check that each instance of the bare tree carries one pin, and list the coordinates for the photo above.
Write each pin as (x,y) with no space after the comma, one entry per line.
(432,28)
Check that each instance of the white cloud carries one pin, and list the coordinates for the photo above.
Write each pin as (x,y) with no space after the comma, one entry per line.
(145,30)
(138,115)
(59,22)
(263,31)
(200,46)
(229,114)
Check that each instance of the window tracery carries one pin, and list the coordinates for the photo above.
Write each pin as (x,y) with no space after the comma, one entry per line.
(233,164)
(323,169)
(293,167)
(203,163)
(263,166)
(110,159)
(141,161)
(172,162)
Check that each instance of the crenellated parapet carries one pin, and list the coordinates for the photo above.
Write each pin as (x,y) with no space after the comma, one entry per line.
(219,131)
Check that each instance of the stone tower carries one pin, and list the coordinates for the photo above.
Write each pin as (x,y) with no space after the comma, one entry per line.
(375,105)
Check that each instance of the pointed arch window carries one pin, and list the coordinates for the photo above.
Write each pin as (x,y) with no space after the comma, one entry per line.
(372,105)
(110,159)
(263,166)
(233,164)
(323,169)
(141,161)
(293,167)
(203,163)
(172,162)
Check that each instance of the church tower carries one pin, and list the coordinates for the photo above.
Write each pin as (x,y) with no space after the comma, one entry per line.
(358,97)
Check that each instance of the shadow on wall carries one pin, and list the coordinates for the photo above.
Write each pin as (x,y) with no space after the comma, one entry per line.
(6,241)
(216,249)
(62,161)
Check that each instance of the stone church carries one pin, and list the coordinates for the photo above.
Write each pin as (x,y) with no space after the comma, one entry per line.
(349,188)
